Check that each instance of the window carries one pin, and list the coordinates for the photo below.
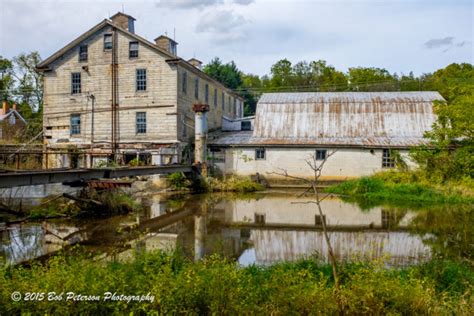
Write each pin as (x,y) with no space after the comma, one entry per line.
(228,103)
(75,82)
(260,154)
(141,122)
(387,159)
(223,101)
(215,98)
(318,220)
(133,50)
(83,53)
(235,106)
(75,124)
(107,41)
(141,80)
(196,88)
(259,219)
(206,94)
(184,83)
(245,126)
(321,154)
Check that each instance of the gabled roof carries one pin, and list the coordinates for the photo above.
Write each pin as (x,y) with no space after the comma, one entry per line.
(12,112)
(172,58)
(45,63)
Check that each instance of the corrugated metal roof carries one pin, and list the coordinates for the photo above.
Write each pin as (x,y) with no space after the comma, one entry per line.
(393,119)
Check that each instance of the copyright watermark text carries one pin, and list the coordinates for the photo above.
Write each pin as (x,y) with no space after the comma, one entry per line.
(79,297)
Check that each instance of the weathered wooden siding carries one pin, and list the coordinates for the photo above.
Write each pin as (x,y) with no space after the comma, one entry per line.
(159,101)
(186,100)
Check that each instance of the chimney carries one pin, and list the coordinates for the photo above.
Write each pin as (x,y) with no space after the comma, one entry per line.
(167,44)
(5,107)
(195,62)
(124,21)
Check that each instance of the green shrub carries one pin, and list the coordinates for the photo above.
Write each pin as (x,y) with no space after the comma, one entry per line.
(178,180)
(235,184)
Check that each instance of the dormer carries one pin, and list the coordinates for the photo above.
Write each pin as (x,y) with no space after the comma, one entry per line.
(167,44)
(195,62)
(124,21)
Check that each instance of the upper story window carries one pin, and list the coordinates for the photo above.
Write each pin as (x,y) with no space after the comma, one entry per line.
(133,50)
(184,83)
(223,101)
(83,53)
(215,97)
(321,154)
(387,159)
(107,41)
(206,93)
(141,80)
(140,122)
(75,124)
(235,106)
(229,105)
(196,88)
(75,82)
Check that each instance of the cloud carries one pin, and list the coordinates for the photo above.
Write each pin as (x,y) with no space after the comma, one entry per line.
(439,42)
(192,4)
(188,4)
(221,22)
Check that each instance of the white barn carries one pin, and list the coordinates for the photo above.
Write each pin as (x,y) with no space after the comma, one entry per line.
(362,129)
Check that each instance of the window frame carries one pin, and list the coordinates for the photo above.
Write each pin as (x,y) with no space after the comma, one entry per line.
(140,123)
(106,42)
(260,153)
(319,152)
(388,161)
(206,93)
(76,83)
(196,88)
(75,127)
(223,101)
(82,53)
(134,51)
(184,83)
(140,80)
(215,97)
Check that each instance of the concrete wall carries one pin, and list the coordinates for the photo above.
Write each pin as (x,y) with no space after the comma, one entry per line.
(345,163)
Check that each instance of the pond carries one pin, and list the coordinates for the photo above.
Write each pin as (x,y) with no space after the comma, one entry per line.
(261,228)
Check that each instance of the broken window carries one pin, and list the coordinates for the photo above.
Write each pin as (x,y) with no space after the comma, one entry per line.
(141,122)
(133,50)
(259,218)
(141,80)
(387,159)
(75,82)
(196,88)
(246,126)
(321,154)
(184,82)
(260,154)
(83,53)
(75,124)
(107,41)
(319,220)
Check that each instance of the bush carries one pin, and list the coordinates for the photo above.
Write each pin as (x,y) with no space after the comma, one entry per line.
(235,184)
(177,180)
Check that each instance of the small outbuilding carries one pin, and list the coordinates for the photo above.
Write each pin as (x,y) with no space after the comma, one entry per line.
(359,133)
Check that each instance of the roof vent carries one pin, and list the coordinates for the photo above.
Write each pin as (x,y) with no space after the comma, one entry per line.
(167,44)
(195,62)
(124,21)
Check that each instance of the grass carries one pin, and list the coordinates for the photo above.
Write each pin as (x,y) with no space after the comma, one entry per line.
(218,286)
(403,189)
(234,184)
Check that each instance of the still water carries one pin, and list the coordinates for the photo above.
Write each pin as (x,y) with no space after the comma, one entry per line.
(262,228)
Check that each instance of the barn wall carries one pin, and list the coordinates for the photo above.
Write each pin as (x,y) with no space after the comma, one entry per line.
(345,163)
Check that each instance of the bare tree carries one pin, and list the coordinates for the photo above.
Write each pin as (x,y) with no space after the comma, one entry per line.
(314,188)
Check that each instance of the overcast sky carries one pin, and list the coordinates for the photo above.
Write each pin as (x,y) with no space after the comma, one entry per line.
(399,35)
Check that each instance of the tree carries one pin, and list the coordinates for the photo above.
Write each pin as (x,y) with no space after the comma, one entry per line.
(281,74)
(7,80)
(30,81)
(371,79)
(227,74)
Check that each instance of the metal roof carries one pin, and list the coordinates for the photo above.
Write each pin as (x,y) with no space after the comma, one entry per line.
(369,119)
